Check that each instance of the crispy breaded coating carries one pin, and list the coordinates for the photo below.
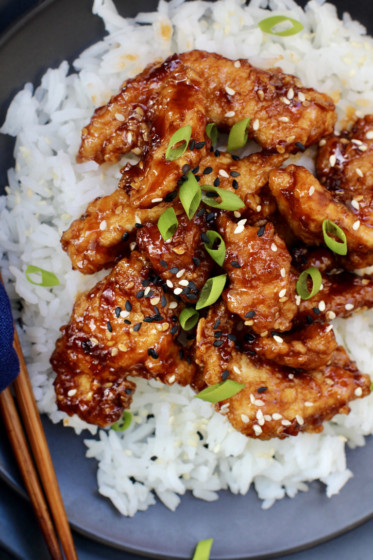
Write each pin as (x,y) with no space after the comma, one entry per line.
(276,401)
(305,204)
(261,289)
(121,328)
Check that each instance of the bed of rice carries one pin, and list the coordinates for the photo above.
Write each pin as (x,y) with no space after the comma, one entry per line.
(165,448)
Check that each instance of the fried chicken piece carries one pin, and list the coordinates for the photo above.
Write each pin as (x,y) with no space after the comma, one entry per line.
(305,204)
(276,401)
(282,112)
(308,348)
(100,237)
(261,290)
(181,262)
(121,328)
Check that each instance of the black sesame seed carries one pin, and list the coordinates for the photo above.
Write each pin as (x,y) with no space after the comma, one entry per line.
(125,236)
(128,305)
(156,310)
(149,416)
(216,324)
(200,145)
(207,170)
(174,270)
(250,314)
(174,330)
(140,294)
(192,285)
(148,319)
(301,146)
(196,261)
(139,226)
(260,231)
(197,177)
(117,311)
(316,310)
(137,327)
(235,264)
(192,144)
(236,158)
(150,294)
(225,374)
(132,479)
(145,283)
(210,217)
(309,319)
(234,184)
(185,290)
(217,153)
(163,263)
(128,391)
(232,337)
(262,389)
(109,327)
(217,334)
(191,297)
(234,174)
(185,168)
(249,337)
(127,321)
(152,353)
(199,435)
(200,212)
(206,445)
(170,196)
(174,319)
(86,346)
(153,458)
(211,194)
(163,301)
(218,343)
(205,238)
(217,182)
(195,170)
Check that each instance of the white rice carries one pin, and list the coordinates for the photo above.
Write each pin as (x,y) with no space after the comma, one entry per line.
(167,453)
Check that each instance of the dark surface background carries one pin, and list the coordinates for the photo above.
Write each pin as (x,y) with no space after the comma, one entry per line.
(19,533)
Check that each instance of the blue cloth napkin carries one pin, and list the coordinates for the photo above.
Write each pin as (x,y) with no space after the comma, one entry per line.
(9,364)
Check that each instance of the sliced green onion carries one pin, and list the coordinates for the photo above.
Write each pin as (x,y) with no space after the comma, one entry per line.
(269,23)
(123,423)
(238,135)
(212,132)
(188,318)
(202,551)
(229,200)
(167,223)
(211,291)
(371,387)
(217,254)
(182,135)
(190,195)
(220,391)
(302,288)
(48,279)
(339,247)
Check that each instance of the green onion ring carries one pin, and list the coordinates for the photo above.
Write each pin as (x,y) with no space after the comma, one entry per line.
(269,23)
(188,318)
(211,291)
(202,551)
(123,423)
(48,279)
(190,195)
(328,227)
(182,135)
(238,135)
(212,132)
(221,391)
(167,223)
(217,254)
(229,200)
(302,289)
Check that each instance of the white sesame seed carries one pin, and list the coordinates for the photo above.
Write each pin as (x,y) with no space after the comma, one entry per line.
(283,272)
(137,220)
(223,173)
(308,403)
(236,369)
(311,191)
(330,315)
(183,282)
(358,392)
(114,351)
(274,247)
(278,338)
(290,93)
(322,141)
(332,160)
(159,199)
(291,376)
(256,124)
(328,328)
(301,96)
(355,204)
(240,226)
(299,419)
(237,214)
(258,402)
(322,305)
(267,417)
(362,148)
(72,392)
(356,225)
(147,290)
(349,306)
(225,407)
(169,283)
(119,117)
(257,429)
(103,225)
(282,293)
(229,90)
(177,291)
(129,137)
(155,300)
(356,141)
(285,100)
(229,114)
(124,314)
(133,245)
(172,379)
(252,398)
(237,64)
(245,419)
(298,299)
(369,135)
(359,172)
(286,422)
(260,417)
(172,305)
(180,273)
(283,119)
(260,94)
(258,208)
(276,416)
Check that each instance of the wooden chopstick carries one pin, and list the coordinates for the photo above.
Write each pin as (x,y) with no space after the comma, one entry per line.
(18,442)
(38,443)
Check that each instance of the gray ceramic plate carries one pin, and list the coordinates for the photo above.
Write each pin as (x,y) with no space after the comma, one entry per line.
(241,529)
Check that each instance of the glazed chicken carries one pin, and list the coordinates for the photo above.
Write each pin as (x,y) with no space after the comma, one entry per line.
(258,330)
